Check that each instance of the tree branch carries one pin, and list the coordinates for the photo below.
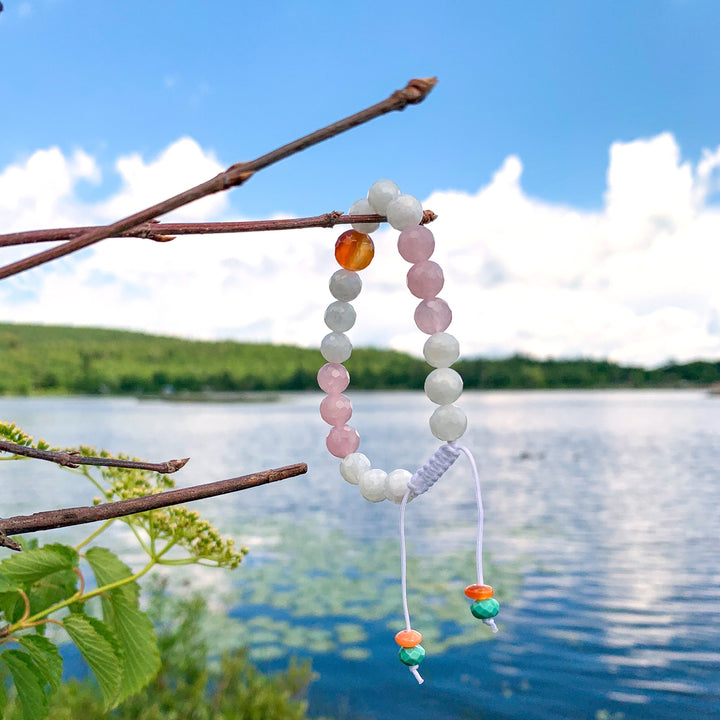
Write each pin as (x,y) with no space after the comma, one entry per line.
(74,459)
(414,92)
(163,232)
(67,517)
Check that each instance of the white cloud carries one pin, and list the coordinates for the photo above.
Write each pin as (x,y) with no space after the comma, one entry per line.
(41,190)
(635,281)
(181,166)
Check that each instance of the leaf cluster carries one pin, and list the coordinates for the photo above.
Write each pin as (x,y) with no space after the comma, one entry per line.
(11,433)
(120,646)
(192,682)
(165,528)
(46,586)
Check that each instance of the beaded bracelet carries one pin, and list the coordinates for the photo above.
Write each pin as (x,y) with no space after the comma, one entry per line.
(354,250)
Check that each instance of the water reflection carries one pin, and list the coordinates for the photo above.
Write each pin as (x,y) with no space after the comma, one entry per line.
(602,514)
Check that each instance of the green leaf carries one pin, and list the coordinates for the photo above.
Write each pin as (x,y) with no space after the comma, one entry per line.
(3,696)
(6,585)
(29,683)
(12,606)
(109,569)
(132,627)
(136,635)
(46,657)
(28,543)
(98,645)
(28,567)
(9,600)
(52,589)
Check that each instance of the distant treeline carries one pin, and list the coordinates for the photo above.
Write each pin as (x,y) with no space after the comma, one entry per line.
(67,360)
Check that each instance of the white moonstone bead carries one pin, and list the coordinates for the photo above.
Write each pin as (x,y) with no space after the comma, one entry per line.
(372,485)
(396,485)
(404,211)
(336,347)
(381,193)
(363,207)
(443,386)
(353,466)
(345,285)
(441,350)
(448,422)
(340,316)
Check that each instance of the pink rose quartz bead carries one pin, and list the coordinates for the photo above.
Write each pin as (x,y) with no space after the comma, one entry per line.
(425,279)
(416,244)
(335,409)
(433,316)
(333,378)
(342,440)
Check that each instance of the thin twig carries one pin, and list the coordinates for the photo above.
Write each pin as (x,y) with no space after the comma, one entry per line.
(163,232)
(74,459)
(26,600)
(67,517)
(7,542)
(414,92)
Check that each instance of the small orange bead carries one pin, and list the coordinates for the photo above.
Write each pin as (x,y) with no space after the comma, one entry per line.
(354,250)
(408,638)
(479,592)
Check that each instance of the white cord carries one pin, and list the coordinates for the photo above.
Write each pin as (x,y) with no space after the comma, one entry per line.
(420,483)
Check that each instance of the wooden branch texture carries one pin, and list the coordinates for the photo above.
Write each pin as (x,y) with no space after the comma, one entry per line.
(74,459)
(164,232)
(414,92)
(66,517)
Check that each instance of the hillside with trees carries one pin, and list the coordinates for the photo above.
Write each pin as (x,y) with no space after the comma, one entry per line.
(38,359)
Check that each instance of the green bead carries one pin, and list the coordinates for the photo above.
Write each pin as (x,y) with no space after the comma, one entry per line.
(412,656)
(484,609)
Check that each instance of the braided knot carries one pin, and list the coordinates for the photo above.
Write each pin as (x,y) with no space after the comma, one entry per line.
(433,469)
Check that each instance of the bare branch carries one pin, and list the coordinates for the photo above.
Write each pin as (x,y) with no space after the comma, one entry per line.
(67,517)
(413,93)
(74,459)
(163,232)
(7,542)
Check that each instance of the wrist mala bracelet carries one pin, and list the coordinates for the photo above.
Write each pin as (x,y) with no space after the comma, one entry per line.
(354,250)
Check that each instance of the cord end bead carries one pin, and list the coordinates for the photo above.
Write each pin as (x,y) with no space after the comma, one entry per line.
(412,656)
(485,609)
(411,653)
(479,592)
(408,638)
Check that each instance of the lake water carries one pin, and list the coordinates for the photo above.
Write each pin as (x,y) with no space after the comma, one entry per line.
(602,527)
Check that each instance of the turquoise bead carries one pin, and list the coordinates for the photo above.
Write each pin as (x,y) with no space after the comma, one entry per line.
(484,609)
(412,656)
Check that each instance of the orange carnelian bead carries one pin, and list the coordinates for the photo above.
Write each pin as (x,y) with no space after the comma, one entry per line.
(354,250)
(408,638)
(479,592)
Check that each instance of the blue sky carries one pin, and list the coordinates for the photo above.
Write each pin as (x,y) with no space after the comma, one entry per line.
(553,84)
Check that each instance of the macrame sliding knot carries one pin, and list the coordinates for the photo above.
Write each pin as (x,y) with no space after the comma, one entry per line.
(434,468)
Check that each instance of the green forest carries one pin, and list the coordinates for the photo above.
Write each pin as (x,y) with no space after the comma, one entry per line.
(39,359)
